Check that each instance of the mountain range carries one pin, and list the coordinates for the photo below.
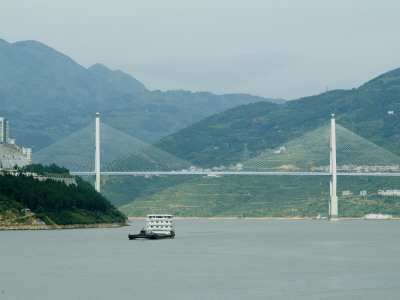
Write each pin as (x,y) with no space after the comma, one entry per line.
(371,111)
(46,96)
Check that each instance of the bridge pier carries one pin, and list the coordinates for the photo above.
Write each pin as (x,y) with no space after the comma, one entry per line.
(97,154)
(333,201)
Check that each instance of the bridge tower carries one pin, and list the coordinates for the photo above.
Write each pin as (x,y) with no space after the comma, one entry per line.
(97,154)
(333,201)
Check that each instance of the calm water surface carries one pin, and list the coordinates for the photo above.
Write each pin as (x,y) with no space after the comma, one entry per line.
(208,259)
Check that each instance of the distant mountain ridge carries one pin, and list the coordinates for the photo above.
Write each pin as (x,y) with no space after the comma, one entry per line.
(371,111)
(221,138)
(46,95)
(56,96)
(119,80)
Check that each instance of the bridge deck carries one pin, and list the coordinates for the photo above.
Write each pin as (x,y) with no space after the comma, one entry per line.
(234,173)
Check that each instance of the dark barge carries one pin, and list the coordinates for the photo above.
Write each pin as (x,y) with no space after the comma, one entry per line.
(151,235)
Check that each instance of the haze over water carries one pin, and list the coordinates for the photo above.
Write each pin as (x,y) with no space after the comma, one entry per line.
(208,259)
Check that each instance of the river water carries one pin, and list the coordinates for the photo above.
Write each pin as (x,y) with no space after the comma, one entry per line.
(208,259)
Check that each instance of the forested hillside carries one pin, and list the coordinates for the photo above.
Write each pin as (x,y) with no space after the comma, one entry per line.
(222,138)
(260,196)
(371,111)
(54,201)
(46,95)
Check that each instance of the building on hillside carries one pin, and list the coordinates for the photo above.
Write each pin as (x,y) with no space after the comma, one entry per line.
(363,193)
(389,192)
(346,193)
(392,192)
(11,155)
(4,131)
(27,152)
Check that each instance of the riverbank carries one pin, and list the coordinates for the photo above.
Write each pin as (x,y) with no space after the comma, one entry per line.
(238,218)
(261,218)
(52,227)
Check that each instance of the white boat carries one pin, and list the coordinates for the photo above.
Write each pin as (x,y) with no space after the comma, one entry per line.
(157,226)
(377,217)
(320,218)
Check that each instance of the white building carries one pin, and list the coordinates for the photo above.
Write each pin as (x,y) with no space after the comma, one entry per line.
(392,192)
(389,192)
(279,150)
(4,131)
(363,193)
(27,152)
(11,155)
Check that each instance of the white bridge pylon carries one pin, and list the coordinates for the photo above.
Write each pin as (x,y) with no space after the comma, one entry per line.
(333,201)
(97,154)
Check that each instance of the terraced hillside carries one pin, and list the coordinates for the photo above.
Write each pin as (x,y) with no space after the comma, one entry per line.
(264,196)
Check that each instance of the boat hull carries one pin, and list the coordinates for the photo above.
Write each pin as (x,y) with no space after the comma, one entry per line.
(151,235)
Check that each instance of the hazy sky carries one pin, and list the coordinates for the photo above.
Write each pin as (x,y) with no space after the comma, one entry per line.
(281,49)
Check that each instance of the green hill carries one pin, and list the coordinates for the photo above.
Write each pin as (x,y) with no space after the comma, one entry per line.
(221,138)
(262,196)
(46,96)
(244,131)
(53,201)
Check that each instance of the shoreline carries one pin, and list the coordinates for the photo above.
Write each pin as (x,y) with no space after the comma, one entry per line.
(10,227)
(54,227)
(254,218)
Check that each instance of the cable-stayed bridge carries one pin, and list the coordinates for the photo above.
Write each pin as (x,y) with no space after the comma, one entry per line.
(123,154)
(327,151)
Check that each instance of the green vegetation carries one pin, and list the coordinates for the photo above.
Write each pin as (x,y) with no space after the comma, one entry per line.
(261,196)
(61,101)
(244,132)
(55,201)
(52,169)
(123,189)
(10,208)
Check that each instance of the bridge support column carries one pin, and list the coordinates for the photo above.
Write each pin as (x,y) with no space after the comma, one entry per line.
(333,201)
(97,154)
